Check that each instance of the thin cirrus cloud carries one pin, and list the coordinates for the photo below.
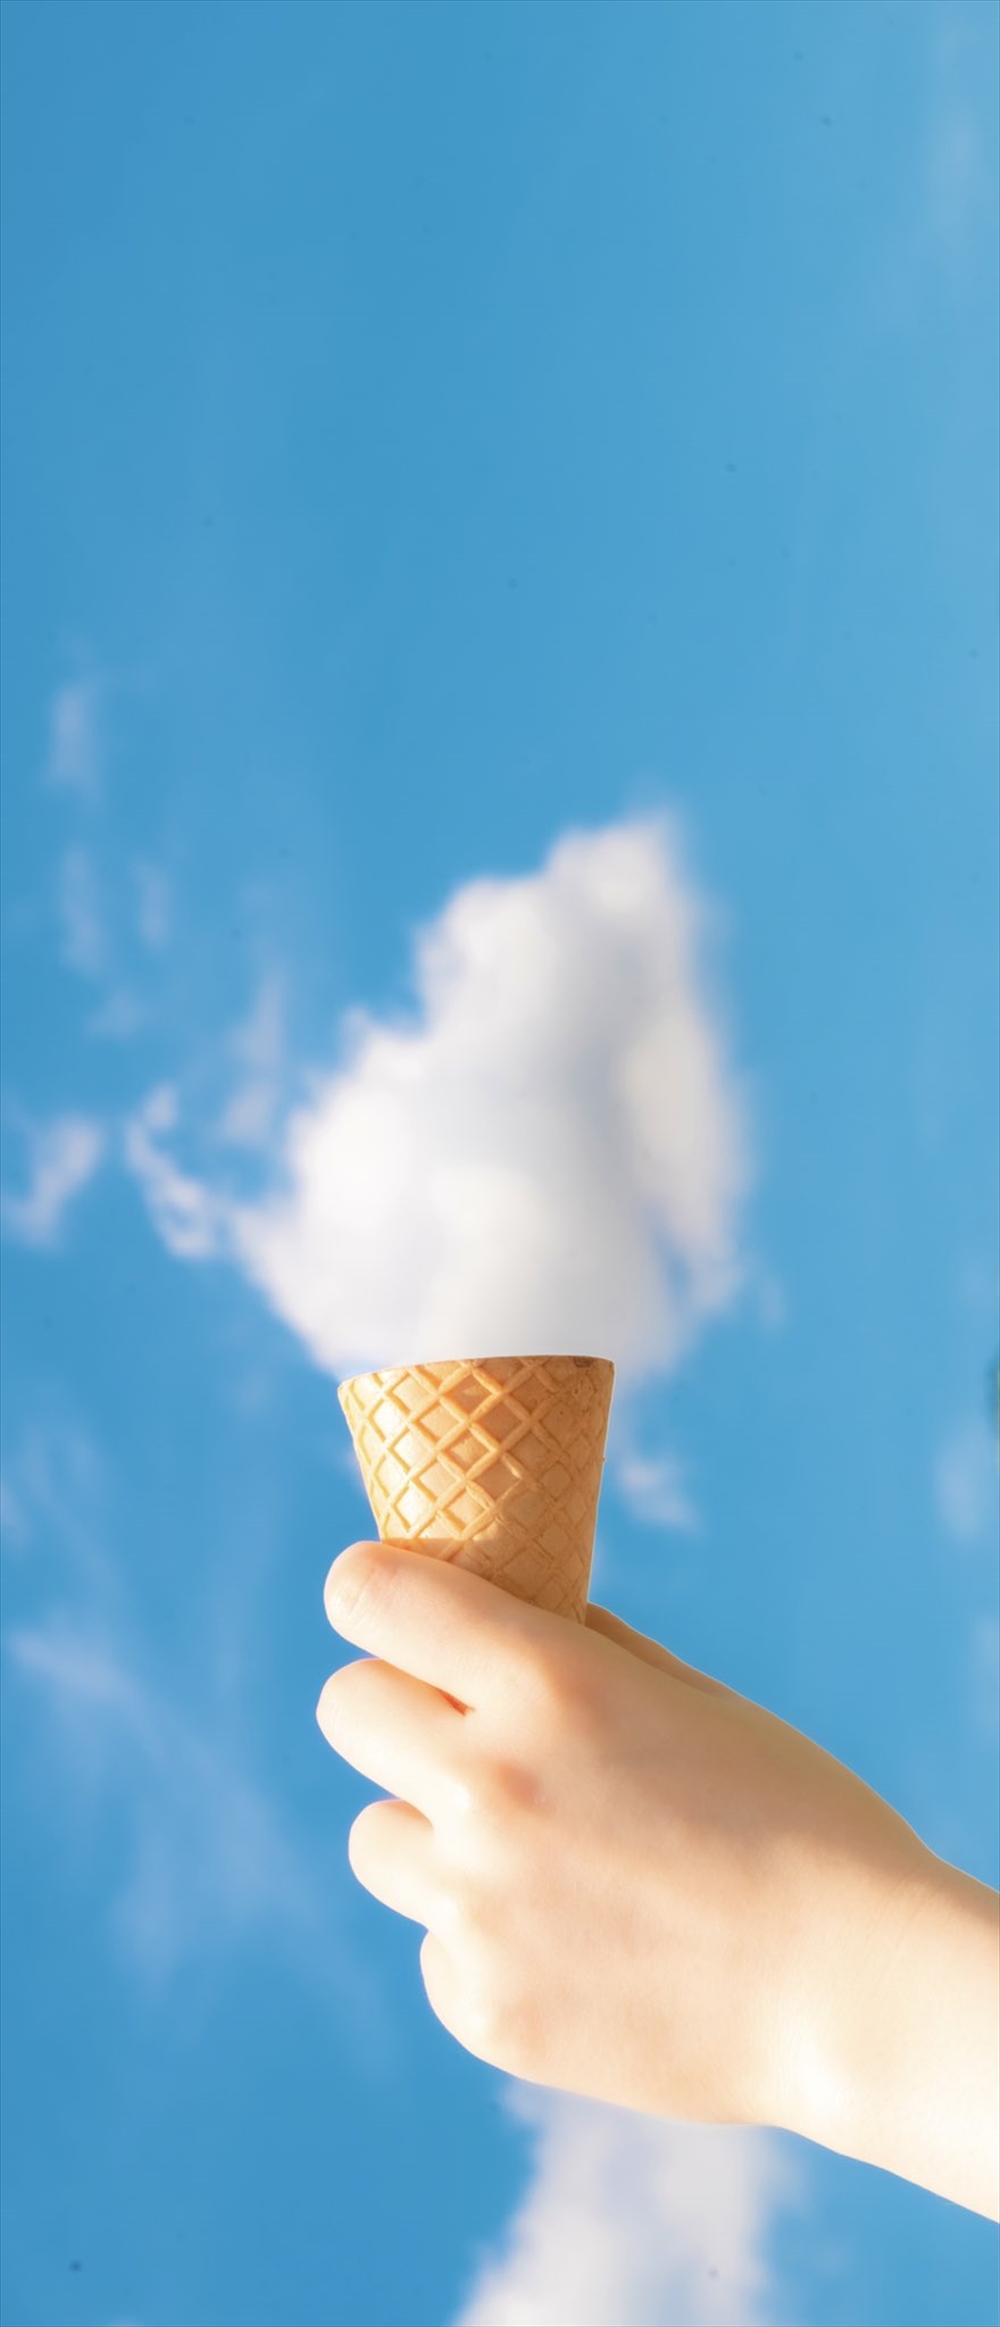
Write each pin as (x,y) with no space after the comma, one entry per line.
(74,764)
(120,1015)
(83,934)
(186,1214)
(630,2217)
(207,1859)
(13,1524)
(207,1856)
(153,905)
(965,1475)
(653,1487)
(258,1051)
(62,1156)
(959,192)
(86,948)
(984,1677)
(73,759)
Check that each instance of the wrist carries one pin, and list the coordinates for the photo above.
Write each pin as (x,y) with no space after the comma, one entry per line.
(896,2064)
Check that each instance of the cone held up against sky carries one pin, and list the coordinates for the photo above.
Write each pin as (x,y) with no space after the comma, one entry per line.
(495,1463)
(499,732)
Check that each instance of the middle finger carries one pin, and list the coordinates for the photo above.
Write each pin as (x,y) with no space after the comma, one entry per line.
(396,1730)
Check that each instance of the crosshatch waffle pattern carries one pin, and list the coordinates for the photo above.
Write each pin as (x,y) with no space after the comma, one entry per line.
(493,1462)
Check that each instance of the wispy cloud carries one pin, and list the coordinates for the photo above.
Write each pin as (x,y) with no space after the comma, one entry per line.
(13,1523)
(118,1017)
(86,942)
(550,1154)
(84,937)
(56,1480)
(185,1213)
(628,2218)
(965,1481)
(959,180)
(207,1856)
(258,1048)
(984,1677)
(63,1156)
(653,1488)
(74,748)
(153,905)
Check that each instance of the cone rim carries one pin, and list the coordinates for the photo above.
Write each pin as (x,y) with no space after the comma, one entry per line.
(497,1357)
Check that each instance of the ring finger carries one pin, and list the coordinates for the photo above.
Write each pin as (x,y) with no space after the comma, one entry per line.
(389,1847)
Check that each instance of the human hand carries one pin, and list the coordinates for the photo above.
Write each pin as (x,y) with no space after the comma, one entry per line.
(635,1884)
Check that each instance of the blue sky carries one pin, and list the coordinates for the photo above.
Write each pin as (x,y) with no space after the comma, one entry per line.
(432,433)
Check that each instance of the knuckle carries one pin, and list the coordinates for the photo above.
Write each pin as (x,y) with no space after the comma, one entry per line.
(508,1790)
(525,1786)
(482,1812)
(554,1687)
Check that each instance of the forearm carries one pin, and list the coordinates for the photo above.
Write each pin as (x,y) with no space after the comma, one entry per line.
(908,2075)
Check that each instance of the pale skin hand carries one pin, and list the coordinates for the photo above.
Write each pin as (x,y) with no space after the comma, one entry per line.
(638,1885)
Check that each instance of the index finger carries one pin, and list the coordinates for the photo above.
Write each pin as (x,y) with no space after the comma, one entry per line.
(428,1617)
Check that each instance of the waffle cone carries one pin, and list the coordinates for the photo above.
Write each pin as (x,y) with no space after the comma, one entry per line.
(493,1462)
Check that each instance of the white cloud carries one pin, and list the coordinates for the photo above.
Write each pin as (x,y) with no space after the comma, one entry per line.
(84,940)
(549,1155)
(188,1217)
(64,1155)
(630,2219)
(654,1489)
(259,1048)
(965,1481)
(73,755)
(153,911)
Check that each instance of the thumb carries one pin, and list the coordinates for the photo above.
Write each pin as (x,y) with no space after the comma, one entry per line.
(650,1651)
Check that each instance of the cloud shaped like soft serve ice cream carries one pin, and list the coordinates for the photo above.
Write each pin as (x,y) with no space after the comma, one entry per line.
(549,1156)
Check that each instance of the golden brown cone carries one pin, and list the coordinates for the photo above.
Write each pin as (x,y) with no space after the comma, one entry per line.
(493,1462)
